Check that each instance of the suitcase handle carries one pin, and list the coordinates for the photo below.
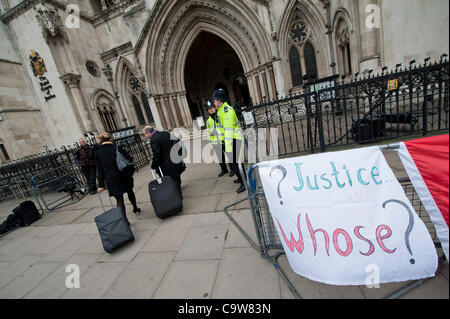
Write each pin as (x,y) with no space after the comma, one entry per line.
(101,202)
(153,172)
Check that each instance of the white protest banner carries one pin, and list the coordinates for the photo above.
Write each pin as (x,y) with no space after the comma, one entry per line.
(339,213)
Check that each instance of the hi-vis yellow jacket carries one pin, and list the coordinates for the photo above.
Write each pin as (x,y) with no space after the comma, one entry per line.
(214,136)
(228,126)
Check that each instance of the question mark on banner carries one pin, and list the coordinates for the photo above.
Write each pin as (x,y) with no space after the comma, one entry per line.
(284,171)
(410,224)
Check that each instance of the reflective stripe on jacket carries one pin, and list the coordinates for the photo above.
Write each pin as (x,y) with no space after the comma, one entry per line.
(211,126)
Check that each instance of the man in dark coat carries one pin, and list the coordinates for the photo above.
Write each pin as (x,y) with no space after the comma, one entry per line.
(86,159)
(162,143)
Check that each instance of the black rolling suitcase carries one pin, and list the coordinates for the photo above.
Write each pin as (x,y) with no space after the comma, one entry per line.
(113,228)
(164,195)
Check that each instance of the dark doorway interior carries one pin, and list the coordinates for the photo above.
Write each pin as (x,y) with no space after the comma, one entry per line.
(212,63)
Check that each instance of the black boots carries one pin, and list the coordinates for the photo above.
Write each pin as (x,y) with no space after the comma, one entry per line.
(222,173)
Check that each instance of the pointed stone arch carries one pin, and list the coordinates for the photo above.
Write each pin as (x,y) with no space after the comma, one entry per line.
(134,93)
(345,39)
(306,14)
(105,110)
(175,27)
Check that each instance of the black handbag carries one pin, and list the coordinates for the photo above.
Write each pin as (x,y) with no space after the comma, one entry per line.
(124,166)
(121,161)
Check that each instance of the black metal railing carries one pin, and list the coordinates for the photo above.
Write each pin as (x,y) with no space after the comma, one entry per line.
(53,163)
(392,105)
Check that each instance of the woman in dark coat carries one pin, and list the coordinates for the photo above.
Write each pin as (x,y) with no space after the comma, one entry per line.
(118,183)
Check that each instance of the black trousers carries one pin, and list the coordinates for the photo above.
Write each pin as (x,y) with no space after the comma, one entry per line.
(90,173)
(219,149)
(233,159)
(121,201)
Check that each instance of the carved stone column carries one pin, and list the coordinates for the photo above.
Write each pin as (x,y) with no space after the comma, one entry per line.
(251,88)
(258,87)
(180,111)
(264,86)
(72,83)
(175,112)
(272,83)
(185,106)
(166,106)
(162,112)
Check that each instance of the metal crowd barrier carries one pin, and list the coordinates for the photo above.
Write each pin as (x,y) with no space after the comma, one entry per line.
(49,190)
(59,187)
(269,244)
(12,195)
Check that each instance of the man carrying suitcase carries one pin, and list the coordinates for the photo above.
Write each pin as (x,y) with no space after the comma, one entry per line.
(162,143)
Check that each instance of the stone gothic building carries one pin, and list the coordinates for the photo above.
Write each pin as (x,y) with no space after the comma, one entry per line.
(70,68)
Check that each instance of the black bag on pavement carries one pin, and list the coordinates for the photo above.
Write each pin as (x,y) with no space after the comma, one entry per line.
(11,222)
(113,228)
(165,197)
(26,213)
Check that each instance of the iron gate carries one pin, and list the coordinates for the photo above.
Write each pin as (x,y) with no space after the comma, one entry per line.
(376,108)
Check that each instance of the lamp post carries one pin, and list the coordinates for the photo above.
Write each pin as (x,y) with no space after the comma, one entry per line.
(109,76)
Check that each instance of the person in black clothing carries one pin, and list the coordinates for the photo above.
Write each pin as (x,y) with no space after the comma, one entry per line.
(118,182)
(162,143)
(86,159)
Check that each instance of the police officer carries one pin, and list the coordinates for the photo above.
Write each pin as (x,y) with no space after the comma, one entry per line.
(228,127)
(215,139)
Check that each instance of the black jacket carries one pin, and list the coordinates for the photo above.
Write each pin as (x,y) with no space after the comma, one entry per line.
(161,146)
(117,182)
(86,156)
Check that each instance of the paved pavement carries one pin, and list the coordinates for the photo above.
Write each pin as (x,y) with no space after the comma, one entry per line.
(198,253)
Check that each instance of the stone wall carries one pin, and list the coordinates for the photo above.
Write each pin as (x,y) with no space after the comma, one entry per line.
(414,29)
(22,128)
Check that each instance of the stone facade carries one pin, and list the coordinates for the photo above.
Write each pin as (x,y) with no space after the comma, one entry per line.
(119,63)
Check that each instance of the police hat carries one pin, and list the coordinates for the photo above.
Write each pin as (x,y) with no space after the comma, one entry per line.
(209,105)
(220,94)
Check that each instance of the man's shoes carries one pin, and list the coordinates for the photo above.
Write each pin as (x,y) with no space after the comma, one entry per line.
(236,181)
(222,173)
(137,210)
(240,189)
(231,174)
(93,192)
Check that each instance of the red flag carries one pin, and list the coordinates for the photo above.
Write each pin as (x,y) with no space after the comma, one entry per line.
(426,161)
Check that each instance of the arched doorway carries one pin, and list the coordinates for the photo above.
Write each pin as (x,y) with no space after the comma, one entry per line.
(204,31)
(210,64)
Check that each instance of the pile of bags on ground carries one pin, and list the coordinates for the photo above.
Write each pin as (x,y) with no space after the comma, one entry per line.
(23,215)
